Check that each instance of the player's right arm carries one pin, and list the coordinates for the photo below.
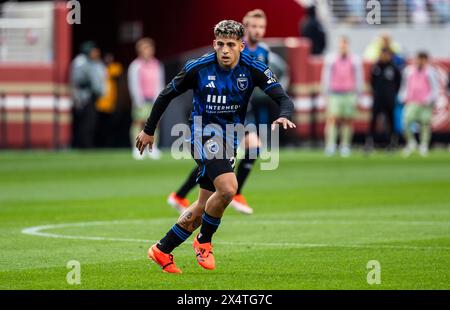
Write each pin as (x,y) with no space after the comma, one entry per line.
(133,84)
(266,80)
(181,83)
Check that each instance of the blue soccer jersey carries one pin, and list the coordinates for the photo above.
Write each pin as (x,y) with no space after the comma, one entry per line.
(220,96)
(260,53)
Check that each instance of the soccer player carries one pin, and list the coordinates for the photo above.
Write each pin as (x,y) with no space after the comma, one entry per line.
(87,78)
(255,23)
(420,90)
(145,80)
(385,80)
(224,102)
(342,83)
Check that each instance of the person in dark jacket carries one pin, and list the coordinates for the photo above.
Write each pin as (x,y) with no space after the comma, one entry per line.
(385,80)
(312,29)
(87,80)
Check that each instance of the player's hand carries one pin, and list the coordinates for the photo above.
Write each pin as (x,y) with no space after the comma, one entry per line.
(284,122)
(142,140)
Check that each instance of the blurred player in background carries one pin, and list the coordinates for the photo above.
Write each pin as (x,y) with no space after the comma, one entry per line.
(146,78)
(385,80)
(106,105)
(420,90)
(342,82)
(218,182)
(87,79)
(255,23)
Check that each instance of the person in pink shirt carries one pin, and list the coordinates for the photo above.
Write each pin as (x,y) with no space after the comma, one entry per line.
(145,80)
(342,83)
(419,91)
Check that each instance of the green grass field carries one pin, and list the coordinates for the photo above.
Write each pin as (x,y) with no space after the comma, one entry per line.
(317,223)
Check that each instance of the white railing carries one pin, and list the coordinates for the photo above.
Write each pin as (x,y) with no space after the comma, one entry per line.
(390,12)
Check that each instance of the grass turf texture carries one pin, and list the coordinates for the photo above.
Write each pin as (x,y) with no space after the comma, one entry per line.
(317,223)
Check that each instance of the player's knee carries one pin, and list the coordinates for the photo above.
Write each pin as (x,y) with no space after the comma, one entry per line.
(228,191)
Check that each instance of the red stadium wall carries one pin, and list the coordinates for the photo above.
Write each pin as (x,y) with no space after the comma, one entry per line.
(178,26)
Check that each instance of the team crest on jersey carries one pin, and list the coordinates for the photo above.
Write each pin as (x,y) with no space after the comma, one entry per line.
(242,82)
(212,146)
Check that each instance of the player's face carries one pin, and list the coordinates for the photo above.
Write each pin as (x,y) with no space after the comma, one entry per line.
(421,62)
(256,29)
(228,51)
(385,57)
(343,47)
(146,51)
(95,54)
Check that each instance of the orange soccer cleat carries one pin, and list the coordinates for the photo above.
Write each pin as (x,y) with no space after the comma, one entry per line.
(204,254)
(177,202)
(164,260)
(240,204)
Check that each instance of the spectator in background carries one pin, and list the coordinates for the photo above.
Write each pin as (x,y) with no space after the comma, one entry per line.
(420,89)
(419,13)
(106,105)
(312,29)
(349,11)
(342,82)
(356,11)
(146,79)
(87,78)
(385,80)
(442,9)
(323,10)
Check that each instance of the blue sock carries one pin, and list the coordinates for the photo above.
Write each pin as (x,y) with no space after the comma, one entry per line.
(209,227)
(174,237)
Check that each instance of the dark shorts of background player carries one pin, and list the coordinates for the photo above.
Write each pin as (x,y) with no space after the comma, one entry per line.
(209,167)
(256,113)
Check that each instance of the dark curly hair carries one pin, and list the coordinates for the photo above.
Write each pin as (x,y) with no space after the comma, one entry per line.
(229,29)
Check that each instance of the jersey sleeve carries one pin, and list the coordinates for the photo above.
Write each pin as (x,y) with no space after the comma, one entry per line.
(180,83)
(183,81)
(265,79)
(268,82)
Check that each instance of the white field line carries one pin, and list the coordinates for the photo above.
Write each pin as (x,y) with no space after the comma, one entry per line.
(38,231)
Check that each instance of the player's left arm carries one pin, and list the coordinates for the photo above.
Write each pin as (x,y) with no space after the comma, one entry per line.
(268,82)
